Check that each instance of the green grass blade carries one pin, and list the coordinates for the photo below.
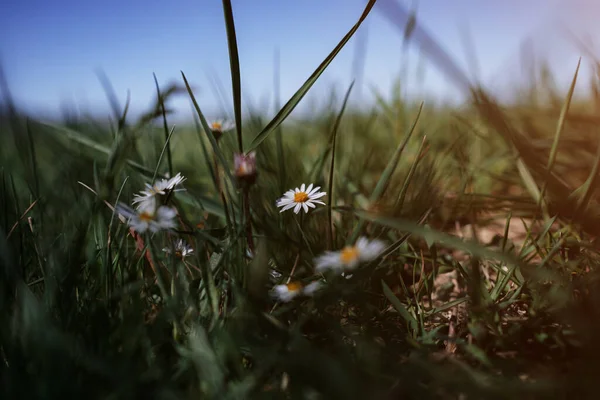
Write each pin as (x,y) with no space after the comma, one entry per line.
(400,201)
(111,95)
(589,187)
(559,129)
(384,180)
(234,62)
(412,322)
(295,99)
(162,153)
(161,104)
(431,235)
(386,176)
(208,131)
(331,168)
(207,158)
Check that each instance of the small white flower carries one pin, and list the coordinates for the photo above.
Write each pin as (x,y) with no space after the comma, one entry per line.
(221,125)
(301,198)
(162,187)
(149,216)
(288,292)
(350,257)
(182,249)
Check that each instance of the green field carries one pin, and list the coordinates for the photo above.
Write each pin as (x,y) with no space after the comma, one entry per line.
(480,278)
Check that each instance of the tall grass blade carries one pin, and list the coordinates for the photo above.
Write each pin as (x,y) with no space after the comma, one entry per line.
(295,99)
(164,150)
(208,131)
(234,62)
(386,176)
(410,320)
(161,104)
(400,200)
(431,235)
(559,129)
(397,14)
(336,126)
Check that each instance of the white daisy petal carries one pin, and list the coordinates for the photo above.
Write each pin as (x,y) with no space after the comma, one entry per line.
(297,208)
(317,195)
(287,207)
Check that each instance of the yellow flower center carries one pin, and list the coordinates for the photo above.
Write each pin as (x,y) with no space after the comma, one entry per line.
(217,126)
(242,169)
(178,254)
(349,254)
(300,197)
(146,216)
(294,286)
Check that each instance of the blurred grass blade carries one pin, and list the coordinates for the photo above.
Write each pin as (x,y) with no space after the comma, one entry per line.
(207,158)
(278,130)
(208,131)
(559,129)
(83,140)
(331,168)
(529,181)
(429,234)
(589,187)
(295,99)
(396,13)
(111,95)
(391,166)
(386,176)
(234,62)
(400,200)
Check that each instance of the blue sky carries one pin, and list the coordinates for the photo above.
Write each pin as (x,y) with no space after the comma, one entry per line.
(54,47)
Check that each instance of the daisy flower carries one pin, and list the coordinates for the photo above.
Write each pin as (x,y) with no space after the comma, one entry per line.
(304,197)
(148,216)
(288,292)
(160,188)
(182,249)
(350,257)
(220,126)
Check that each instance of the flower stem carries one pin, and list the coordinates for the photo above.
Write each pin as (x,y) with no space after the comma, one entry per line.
(248,219)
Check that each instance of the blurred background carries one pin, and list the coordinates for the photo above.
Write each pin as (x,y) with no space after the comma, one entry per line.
(52,52)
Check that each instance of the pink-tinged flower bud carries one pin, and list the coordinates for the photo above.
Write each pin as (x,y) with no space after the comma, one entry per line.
(245,167)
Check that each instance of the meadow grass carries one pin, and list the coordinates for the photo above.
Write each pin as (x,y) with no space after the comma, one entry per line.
(484,284)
